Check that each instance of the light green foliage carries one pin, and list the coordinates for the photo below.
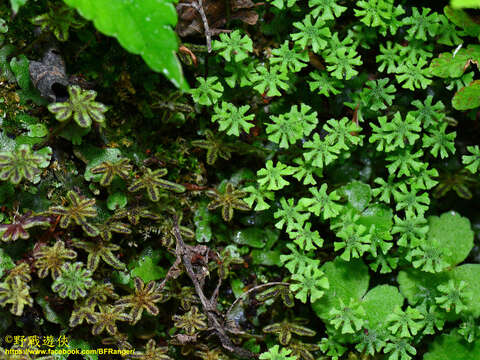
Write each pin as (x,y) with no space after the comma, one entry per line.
(324,83)
(374,13)
(281,4)
(413,74)
(272,176)
(258,195)
(451,347)
(312,33)
(354,242)
(267,81)
(305,238)
(472,162)
(405,162)
(464,4)
(341,63)
(311,282)
(379,303)
(141,27)
(377,95)
(399,349)
(297,261)
(20,69)
(405,323)
(233,46)
(290,214)
(427,113)
(439,141)
(321,152)
(452,233)
(452,296)
(347,317)
(396,133)
(389,58)
(232,119)
(81,106)
(348,282)
(274,354)
(208,91)
(449,65)
(284,130)
(326,9)
(422,23)
(289,59)
(409,201)
(343,133)
(332,348)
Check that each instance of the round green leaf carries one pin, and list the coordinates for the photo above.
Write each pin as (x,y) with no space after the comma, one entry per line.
(470,273)
(379,215)
(202,219)
(116,201)
(379,302)
(452,347)
(267,258)
(347,279)
(468,97)
(453,234)
(146,267)
(414,284)
(253,237)
(358,194)
(37,130)
(6,262)
(95,156)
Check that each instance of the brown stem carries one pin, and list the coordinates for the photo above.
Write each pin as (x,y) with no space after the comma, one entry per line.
(215,321)
(198,5)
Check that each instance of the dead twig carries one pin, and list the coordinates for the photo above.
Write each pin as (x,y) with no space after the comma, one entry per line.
(184,254)
(198,5)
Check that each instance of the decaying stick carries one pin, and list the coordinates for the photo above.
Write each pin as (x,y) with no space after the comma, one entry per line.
(184,254)
(198,5)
